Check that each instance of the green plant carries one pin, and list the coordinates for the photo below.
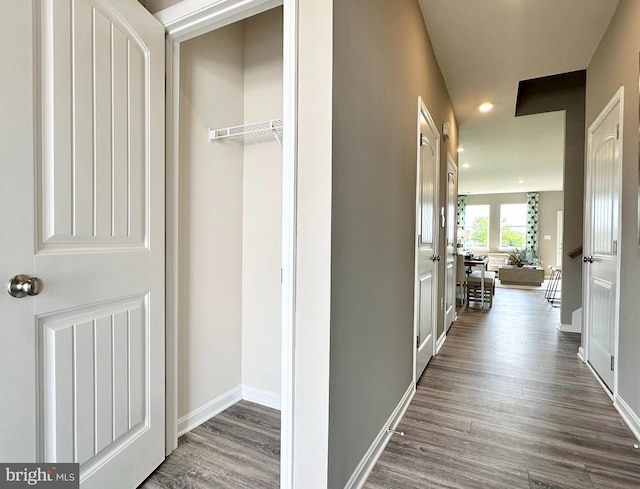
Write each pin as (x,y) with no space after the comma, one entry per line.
(515,257)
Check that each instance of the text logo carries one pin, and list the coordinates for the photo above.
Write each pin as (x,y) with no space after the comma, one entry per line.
(42,476)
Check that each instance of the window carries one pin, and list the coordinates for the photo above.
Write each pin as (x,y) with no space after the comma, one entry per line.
(477,223)
(513,225)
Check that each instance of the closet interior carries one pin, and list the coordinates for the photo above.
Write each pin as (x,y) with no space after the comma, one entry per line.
(230,213)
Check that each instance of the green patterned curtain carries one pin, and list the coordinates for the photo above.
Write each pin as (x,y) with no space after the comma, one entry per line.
(462,208)
(533,222)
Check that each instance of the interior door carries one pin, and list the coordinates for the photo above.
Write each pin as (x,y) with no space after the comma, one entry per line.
(82,159)
(427,239)
(601,239)
(450,243)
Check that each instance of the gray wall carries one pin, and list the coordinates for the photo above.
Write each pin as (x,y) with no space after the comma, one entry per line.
(550,203)
(565,92)
(382,62)
(615,63)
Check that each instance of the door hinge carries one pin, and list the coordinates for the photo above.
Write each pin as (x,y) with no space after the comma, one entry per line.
(615,247)
(612,362)
(617,131)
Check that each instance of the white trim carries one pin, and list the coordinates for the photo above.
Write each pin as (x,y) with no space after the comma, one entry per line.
(191,18)
(172,277)
(617,99)
(289,233)
(441,340)
(207,411)
(184,21)
(630,418)
(569,328)
(262,397)
(364,468)
(581,354)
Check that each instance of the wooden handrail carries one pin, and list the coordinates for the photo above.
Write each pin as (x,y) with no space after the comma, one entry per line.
(576,252)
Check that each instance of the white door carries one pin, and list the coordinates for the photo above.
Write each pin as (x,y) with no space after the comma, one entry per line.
(602,231)
(427,239)
(450,243)
(82,162)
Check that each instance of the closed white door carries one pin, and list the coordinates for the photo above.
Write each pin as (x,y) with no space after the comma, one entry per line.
(427,239)
(82,162)
(450,243)
(602,231)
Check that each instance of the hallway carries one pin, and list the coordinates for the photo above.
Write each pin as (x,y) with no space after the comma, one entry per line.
(508,404)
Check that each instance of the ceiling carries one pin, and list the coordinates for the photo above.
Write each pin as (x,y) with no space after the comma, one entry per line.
(484,48)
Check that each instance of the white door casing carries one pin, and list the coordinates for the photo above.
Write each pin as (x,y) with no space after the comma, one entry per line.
(85,177)
(451,202)
(602,238)
(427,235)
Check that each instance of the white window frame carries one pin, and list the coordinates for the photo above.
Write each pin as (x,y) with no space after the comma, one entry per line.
(503,247)
(468,225)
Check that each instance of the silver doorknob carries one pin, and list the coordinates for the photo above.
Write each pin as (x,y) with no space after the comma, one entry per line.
(22,285)
(587,259)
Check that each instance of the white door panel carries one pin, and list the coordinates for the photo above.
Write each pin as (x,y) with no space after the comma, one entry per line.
(450,244)
(602,232)
(90,181)
(427,239)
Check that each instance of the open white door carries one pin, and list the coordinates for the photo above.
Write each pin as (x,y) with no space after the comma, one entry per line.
(427,228)
(82,161)
(602,235)
(450,243)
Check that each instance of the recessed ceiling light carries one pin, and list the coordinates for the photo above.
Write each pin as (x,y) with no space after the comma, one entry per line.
(486,107)
(466,165)
(521,181)
(460,149)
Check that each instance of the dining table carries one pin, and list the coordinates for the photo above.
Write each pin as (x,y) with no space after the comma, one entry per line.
(478,261)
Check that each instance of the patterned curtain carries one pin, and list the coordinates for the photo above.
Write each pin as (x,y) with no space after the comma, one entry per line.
(533,222)
(462,208)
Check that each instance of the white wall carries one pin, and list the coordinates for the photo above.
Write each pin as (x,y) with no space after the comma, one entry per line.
(231,207)
(262,208)
(210,266)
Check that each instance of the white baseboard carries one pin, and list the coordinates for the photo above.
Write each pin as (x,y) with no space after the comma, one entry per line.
(441,340)
(262,397)
(569,328)
(630,418)
(198,416)
(364,468)
(581,354)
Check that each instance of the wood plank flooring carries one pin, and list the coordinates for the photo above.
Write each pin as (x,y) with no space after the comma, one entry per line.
(508,404)
(238,449)
(505,404)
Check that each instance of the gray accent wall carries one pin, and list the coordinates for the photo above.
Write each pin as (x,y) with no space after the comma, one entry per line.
(615,64)
(565,91)
(383,61)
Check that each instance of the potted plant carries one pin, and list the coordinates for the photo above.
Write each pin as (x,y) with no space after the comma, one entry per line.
(516,258)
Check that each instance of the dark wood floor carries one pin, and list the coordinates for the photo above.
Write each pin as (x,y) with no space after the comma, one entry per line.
(238,449)
(508,404)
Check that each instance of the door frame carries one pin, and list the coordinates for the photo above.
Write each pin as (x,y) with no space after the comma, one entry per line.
(454,164)
(616,100)
(184,21)
(424,112)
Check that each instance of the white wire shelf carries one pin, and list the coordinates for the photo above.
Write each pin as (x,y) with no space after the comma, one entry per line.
(255,133)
